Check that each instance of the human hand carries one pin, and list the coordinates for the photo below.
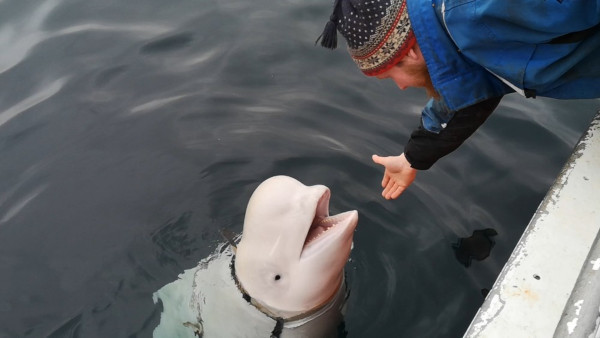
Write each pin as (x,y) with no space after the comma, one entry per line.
(398,175)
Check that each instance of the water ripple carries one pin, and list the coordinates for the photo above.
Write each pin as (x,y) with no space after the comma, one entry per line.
(148,106)
(193,61)
(21,204)
(24,36)
(389,262)
(330,142)
(33,100)
(139,30)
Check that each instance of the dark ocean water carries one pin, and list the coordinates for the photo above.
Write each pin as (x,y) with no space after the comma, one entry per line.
(131,132)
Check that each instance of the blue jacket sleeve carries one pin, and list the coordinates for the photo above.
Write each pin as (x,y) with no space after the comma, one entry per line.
(425,146)
(435,116)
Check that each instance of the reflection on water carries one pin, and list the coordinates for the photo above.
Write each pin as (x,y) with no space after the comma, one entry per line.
(132,132)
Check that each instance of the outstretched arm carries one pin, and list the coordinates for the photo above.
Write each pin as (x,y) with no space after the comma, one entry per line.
(424,147)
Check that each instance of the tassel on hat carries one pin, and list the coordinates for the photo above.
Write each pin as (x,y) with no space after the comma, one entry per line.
(329,36)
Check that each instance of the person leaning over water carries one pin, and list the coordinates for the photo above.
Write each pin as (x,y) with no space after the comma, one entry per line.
(467,54)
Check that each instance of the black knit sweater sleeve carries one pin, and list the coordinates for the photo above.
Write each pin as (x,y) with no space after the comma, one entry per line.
(424,148)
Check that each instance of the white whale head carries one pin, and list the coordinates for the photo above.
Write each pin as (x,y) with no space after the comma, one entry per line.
(292,254)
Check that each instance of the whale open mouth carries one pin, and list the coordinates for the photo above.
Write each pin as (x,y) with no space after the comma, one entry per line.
(325,228)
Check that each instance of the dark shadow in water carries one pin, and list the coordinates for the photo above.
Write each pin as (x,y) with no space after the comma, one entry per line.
(107,75)
(477,246)
(341,330)
(167,44)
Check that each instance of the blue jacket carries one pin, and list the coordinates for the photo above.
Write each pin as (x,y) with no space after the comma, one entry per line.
(479,49)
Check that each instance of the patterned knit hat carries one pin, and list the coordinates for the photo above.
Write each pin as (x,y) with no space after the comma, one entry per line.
(378,32)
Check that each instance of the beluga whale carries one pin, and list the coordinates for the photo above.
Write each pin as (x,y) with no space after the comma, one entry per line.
(282,277)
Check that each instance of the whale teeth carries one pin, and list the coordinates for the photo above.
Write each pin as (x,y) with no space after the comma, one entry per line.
(321,226)
(328,221)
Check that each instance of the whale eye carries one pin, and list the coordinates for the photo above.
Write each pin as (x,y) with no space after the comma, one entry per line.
(277,277)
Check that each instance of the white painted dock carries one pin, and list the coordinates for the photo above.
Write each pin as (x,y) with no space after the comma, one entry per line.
(550,286)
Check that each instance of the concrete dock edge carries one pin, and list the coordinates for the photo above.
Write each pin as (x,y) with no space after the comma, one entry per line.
(548,286)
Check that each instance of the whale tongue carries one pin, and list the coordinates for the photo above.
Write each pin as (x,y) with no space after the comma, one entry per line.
(319,226)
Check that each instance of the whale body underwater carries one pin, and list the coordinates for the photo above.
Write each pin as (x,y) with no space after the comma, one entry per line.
(285,277)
